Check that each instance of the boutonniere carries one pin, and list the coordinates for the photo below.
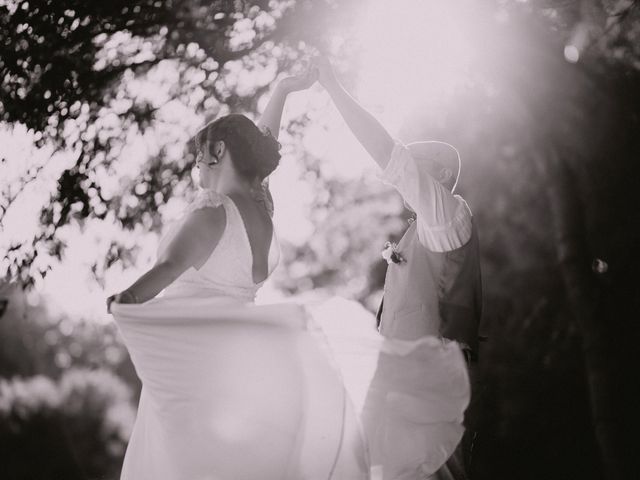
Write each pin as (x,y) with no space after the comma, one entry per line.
(391,253)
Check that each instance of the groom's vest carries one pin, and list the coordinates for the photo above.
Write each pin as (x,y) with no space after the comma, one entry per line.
(433,293)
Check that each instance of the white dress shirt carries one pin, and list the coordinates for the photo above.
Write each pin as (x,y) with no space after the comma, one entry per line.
(440,228)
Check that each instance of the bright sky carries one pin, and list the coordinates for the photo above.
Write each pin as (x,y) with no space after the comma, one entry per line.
(415,51)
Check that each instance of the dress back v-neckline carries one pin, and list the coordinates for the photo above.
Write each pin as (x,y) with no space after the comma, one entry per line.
(250,247)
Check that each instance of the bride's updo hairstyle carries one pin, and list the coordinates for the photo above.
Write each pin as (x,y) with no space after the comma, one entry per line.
(255,154)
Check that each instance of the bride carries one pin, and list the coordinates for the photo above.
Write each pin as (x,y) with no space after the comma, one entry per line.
(232,390)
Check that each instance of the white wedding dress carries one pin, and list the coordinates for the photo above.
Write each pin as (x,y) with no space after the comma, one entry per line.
(232,390)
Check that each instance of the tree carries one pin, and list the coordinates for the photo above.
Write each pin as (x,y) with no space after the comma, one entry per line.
(89,78)
(585,139)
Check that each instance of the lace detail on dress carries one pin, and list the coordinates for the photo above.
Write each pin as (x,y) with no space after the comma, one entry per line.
(204,199)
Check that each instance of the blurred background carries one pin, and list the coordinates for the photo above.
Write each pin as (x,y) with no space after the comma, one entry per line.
(541,97)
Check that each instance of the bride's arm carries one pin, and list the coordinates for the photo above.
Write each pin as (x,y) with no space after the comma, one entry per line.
(272,114)
(190,247)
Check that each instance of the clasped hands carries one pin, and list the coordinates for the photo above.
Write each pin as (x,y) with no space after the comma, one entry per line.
(319,70)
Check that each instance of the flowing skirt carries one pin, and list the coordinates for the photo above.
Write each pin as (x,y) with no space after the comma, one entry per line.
(286,392)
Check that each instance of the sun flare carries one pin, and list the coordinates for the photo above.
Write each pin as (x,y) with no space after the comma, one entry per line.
(415,52)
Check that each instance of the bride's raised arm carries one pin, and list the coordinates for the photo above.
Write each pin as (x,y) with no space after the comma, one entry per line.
(272,114)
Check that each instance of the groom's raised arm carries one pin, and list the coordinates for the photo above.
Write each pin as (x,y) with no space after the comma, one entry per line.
(443,220)
(367,129)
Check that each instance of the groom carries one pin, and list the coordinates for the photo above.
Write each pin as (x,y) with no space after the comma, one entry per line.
(433,285)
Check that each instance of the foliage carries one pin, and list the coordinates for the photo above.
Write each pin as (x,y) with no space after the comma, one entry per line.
(35,342)
(91,79)
(351,221)
(82,422)
(67,388)
(63,58)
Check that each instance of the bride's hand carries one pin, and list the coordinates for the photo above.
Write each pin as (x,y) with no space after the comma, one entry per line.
(299,82)
(110,300)
(122,297)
